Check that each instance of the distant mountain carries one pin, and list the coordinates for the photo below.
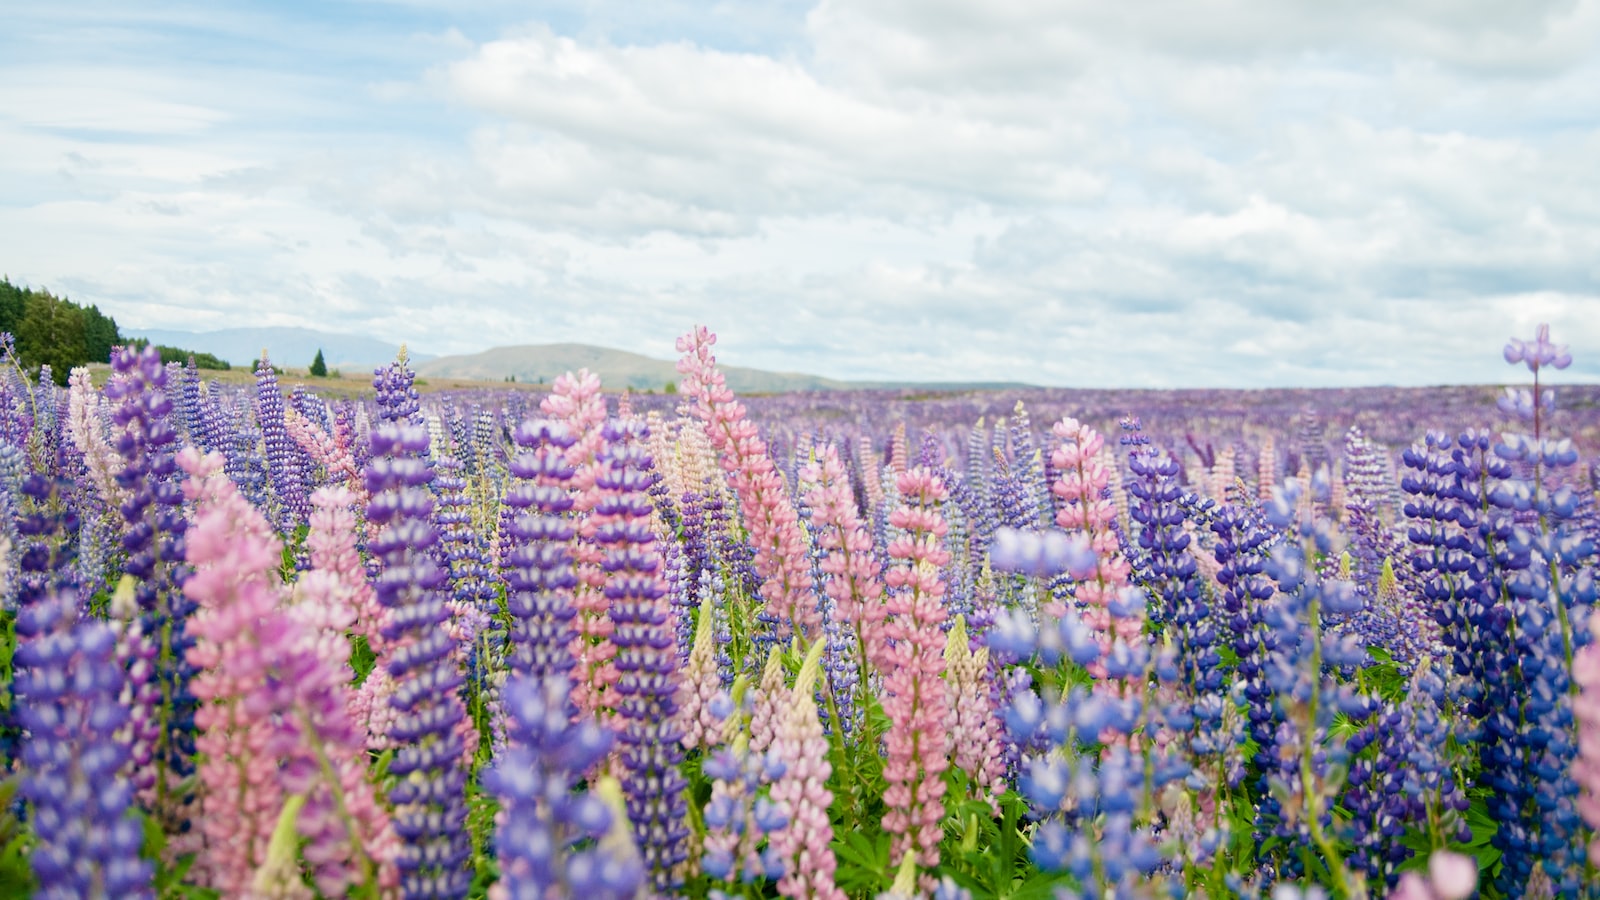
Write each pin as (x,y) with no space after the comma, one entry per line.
(543,363)
(285,346)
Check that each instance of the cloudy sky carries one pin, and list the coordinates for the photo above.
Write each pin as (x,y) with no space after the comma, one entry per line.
(1153,193)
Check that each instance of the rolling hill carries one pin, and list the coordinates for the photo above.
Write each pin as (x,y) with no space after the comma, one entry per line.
(543,363)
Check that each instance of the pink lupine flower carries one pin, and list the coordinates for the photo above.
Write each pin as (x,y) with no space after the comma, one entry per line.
(86,427)
(804,844)
(897,449)
(855,584)
(975,731)
(912,660)
(1084,476)
(871,477)
(576,402)
(370,706)
(1451,876)
(327,452)
(769,515)
(770,698)
(1586,709)
(351,840)
(700,686)
(274,717)
(332,544)
(238,635)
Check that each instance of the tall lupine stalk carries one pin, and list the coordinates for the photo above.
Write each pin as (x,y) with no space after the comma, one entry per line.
(575,402)
(854,575)
(84,842)
(1086,510)
(1241,548)
(155,640)
(804,844)
(87,430)
(472,587)
(912,660)
(430,757)
(45,529)
(189,405)
(283,456)
(769,514)
(647,657)
(332,542)
(701,685)
(1549,588)
(275,722)
(537,549)
(975,730)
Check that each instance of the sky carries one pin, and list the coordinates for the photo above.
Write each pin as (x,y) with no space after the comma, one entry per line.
(1156,193)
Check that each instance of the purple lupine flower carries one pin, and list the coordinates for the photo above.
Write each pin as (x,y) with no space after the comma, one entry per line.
(472,587)
(537,552)
(1409,779)
(430,812)
(396,398)
(212,428)
(976,465)
(47,420)
(155,646)
(1028,470)
(1244,541)
(189,408)
(488,442)
(547,834)
(312,407)
(680,595)
(647,659)
(48,527)
(244,463)
(47,530)
(692,527)
(1169,571)
(16,420)
(1365,481)
(285,464)
(1304,694)
(86,844)
(1546,572)
(739,817)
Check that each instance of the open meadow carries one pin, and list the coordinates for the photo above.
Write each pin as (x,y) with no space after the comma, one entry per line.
(281,638)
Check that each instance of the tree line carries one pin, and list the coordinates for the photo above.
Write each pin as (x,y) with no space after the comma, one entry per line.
(55,332)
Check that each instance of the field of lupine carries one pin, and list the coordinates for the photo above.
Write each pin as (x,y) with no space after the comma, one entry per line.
(587,645)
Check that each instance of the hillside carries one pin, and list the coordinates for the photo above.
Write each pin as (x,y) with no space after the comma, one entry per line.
(542,363)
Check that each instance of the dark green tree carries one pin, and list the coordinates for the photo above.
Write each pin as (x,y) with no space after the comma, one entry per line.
(51,333)
(13,303)
(319,368)
(99,334)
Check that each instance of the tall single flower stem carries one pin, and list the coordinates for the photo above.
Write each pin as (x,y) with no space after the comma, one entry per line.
(769,514)
(912,660)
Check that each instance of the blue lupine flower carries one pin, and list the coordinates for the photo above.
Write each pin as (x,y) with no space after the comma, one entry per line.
(647,658)
(537,552)
(286,467)
(430,760)
(86,844)
(163,752)
(548,843)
